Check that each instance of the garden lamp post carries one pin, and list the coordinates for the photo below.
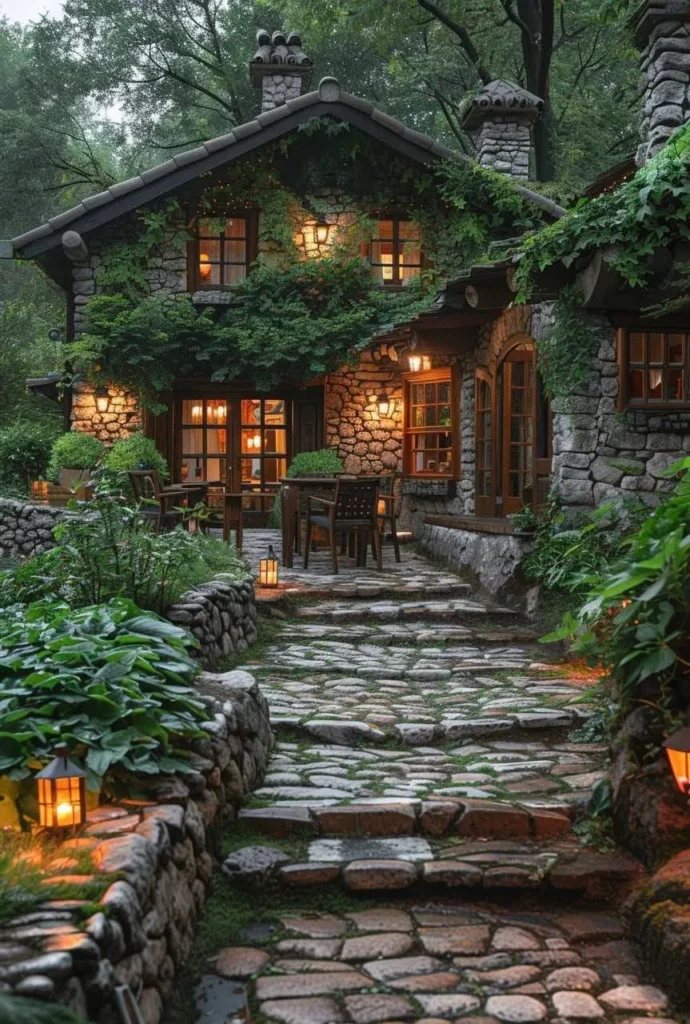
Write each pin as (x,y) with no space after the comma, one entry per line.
(61,793)
(678,753)
(268,569)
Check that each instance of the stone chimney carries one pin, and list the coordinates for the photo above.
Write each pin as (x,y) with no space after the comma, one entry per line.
(662,34)
(280,68)
(500,118)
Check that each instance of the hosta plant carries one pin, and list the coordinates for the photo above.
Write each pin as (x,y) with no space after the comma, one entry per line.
(110,681)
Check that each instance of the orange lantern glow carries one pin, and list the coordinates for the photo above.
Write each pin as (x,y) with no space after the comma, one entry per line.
(102,399)
(268,569)
(322,233)
(204,266)
(61,793)
(678,753)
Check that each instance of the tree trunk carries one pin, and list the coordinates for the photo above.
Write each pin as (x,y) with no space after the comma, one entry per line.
(536,32)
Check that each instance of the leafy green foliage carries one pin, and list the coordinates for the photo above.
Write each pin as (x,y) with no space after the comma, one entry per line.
(25,451)
(135,452)
(110,681)
(108,551)
(20,1010)
(647,212)
(325,460)
(75,451)
(566,354)
(636,616)
(291,322)
(569,557)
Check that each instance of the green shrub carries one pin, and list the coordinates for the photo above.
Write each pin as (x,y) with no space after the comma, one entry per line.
(111,682)
(19,1010)
(25,450)
(108,551)
(135,452)
(325,460)
(75,451)
(636,616)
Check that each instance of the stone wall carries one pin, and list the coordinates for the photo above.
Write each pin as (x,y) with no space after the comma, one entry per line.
(162,847)
(491,560)
(221,615)
(122,418)
(278,89)
(663,36)
(504,144)
(26,529)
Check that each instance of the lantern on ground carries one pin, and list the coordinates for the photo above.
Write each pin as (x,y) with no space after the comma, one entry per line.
(678,753)
(268,569)
(61,793)
(102,399)
(415,363)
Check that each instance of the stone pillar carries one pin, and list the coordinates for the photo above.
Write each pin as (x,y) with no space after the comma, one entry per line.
(280,68)
(662,34)
(500,118)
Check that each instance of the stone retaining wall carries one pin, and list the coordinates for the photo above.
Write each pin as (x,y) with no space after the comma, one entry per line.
(162,848)
(492,560)
(26,529)
(222,616)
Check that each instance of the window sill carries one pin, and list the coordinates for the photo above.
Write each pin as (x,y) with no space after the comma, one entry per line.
(657,406)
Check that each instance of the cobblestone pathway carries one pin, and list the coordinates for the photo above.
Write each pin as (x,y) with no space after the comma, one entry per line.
(426,757)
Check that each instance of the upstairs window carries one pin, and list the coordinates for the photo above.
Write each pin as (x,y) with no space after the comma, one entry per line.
(222,251)
(654,368)
(395,252)
(430,442)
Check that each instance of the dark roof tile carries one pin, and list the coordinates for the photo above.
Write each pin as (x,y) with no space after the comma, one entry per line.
(158,171)
(269,116)
(418,138)
(59,222)
(190,156)
(98,200)
(307,99)
(123,187)
(31,236)
(213,145)
(365,106)
(249,128)
(387,121)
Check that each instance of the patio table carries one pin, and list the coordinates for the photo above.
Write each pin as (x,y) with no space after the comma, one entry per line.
(293,491)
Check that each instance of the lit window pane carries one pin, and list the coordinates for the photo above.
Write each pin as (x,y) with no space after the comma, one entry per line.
(675,385)
(636,347)
(655,384)
(251,411)
(675,348)
(408,229)
(656,348)
(235,252)
(234,273)
(236,227)
(410,254)
(193,410)
(192,442)
(192,469)
(384,229)
(274,469)
(636,383)
(274,412)
(251,473)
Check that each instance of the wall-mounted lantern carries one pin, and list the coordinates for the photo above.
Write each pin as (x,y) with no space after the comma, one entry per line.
(268,569)
(322,232)
(415,363)
(102,399)
(384,405)
(678,753)
(61,793)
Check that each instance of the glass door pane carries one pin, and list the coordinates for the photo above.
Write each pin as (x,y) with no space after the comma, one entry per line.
(518,431)
(204,440)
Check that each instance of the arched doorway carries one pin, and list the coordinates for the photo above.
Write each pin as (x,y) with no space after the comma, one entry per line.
(512,433)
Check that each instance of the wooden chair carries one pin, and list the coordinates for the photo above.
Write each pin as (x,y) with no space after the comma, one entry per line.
(157,502)
(352,511)
(233,513)
(389,508)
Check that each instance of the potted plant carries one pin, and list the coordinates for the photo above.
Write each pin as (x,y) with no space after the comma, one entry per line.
(136,452)
(73,459)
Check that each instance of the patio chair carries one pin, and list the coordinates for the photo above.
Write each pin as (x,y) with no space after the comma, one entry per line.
(157,503)
(352,510)
(389,509)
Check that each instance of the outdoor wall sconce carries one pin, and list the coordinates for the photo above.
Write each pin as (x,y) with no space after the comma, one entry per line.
(678,753)
(268,569)
(415,363)
(204,266)
(102,400)
(61,793)
(322,231)
(385,405)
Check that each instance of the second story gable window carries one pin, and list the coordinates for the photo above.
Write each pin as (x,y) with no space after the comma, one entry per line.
(222,251)
(395,252)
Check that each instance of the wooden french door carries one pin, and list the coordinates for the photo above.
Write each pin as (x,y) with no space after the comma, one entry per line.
(518,430)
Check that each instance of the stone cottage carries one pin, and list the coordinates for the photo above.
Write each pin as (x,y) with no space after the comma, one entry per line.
(453,400)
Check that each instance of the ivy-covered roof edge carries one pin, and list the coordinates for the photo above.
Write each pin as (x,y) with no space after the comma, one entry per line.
(329,100)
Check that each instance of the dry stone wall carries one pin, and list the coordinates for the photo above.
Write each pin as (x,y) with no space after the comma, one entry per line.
(26,529)
(503,144)
(664,40)
(162,848)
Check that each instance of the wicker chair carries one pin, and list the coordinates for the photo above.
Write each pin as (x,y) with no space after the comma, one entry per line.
(352,511)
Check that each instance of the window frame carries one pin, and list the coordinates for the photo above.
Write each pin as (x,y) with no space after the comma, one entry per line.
(485,503)
(442,374)
(195,282)
(396,218)
(625,400)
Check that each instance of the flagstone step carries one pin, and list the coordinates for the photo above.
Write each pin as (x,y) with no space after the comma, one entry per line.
(385,634)
(450,609)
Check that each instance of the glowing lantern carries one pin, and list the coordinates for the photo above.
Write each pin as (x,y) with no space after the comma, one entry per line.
(678,753)
(322,233)
(385,405)
(268,569)
(204,266)
(415,363)
(61,793)
(102,400)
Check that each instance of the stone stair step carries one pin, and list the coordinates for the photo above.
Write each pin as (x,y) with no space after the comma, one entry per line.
(449,610)
(421,633)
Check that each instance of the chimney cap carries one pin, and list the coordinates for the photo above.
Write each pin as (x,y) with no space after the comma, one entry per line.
(501,99)
(276,50)
(644,18)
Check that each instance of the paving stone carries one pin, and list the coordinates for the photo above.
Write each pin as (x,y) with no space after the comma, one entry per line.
(505,977)
(379,874)
(253,865)
(303,1011)
(448,1005)
(403,967)
(406,848)
(451,873)
(279,822)
(586,927)
(374,1009)
(577,1005)
(574,978)
(493,821)
(437,818)
(345,732)
(384,944)
(296,985)
(516,1009)
(438,982)
(639,998)
(366,821)
(465,939)
(240,961)
(514,940)
(383,920)
(316,926)
(309,874)
(297,965)
(316,948)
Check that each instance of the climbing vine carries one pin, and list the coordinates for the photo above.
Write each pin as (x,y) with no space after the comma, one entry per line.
(127,261)
(566,352)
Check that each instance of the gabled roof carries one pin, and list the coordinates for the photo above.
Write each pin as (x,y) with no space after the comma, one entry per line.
(327,101)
